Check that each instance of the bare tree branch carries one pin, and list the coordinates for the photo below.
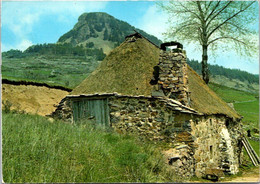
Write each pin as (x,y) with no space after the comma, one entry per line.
(222,9)
(231,17)
(227,37)
(186,25)
(190,11)
(213,10)
(207,8)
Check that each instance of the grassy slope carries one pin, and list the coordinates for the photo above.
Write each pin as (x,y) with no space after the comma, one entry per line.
(246,104)
(64,71)
(36,150)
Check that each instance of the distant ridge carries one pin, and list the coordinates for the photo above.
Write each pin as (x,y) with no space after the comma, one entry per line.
(103,30)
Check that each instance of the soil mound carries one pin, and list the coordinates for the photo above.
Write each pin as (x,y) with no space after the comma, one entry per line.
(32,99)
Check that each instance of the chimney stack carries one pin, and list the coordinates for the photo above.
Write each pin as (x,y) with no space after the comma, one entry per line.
(170,75)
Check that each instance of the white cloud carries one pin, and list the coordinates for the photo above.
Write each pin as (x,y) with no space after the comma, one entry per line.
(24,44)
(153,22)
(20,17)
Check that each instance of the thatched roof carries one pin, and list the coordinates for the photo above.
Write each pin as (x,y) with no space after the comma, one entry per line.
(204,100)
(128,69)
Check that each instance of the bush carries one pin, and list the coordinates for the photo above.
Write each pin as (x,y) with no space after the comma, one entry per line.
(7,106)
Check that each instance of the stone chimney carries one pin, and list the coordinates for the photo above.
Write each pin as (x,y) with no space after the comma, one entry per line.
(170,75)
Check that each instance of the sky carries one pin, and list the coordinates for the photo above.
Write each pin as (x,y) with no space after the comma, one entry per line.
(25,23)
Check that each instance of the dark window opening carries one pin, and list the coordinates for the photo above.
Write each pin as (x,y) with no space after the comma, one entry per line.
(155,75)
(211,151)
(168,44)
(173,159)
(227,123)
(248,133)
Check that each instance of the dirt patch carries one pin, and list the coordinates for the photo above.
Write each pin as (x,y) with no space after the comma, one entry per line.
(252,175)
(32,99)
(248,176)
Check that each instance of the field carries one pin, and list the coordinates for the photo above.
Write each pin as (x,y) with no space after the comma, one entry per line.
(66,71)
(246,104)
(75,153)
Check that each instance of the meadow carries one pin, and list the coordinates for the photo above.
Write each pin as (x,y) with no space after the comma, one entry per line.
(38,150)
(67,71)
(245,103)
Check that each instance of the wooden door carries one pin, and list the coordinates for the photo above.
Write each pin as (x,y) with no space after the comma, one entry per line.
(96,109)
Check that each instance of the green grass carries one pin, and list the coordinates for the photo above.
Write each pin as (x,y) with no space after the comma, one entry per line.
(65,71)
(245,103)
(231,95)
(250,112)
(37,150)
(255,145)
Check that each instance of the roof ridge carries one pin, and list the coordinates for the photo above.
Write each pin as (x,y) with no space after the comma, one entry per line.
(139,34)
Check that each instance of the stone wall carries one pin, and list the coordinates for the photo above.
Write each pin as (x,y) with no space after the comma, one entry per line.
(64,111)
(172,79)
(197,143)
(216,145)
(151,119)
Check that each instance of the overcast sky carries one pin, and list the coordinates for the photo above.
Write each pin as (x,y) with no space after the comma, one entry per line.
(35,22)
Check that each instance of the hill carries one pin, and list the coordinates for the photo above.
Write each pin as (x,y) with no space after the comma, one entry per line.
(234,78)
(101,30)
(79,51)
(31,97)
(75,55)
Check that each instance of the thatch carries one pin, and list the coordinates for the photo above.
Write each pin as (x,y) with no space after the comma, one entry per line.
(204,100)
(128,69)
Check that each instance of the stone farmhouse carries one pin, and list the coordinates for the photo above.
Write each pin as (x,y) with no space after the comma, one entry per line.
(151,92)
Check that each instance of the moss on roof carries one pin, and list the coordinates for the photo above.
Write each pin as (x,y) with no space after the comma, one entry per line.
(128,70)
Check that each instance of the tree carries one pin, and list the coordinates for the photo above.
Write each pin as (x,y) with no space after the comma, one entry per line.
(213,24)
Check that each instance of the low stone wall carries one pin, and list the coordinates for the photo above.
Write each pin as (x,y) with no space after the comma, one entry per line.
(64,111)
(150,118)
(180,158)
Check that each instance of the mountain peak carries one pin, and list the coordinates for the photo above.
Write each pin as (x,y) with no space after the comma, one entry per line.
(89,15)
(101,30)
